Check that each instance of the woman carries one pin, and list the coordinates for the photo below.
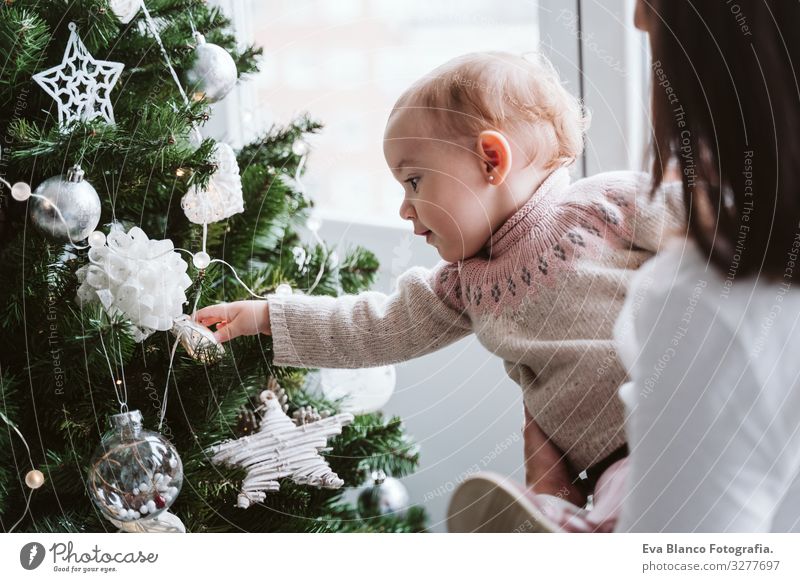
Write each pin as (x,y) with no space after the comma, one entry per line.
(709,334)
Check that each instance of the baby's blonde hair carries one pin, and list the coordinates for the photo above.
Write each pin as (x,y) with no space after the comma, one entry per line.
(520,95)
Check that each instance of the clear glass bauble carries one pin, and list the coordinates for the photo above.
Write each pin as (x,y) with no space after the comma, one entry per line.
(134,473)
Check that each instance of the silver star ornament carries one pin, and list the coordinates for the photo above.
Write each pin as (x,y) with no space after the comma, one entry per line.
(81,84)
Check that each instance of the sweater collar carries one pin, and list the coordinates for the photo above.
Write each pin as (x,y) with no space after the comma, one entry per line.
(529,214)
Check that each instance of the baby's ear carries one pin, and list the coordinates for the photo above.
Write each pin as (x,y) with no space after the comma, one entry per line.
(495,156)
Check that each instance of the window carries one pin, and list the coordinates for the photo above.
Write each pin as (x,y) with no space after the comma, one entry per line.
(346,62)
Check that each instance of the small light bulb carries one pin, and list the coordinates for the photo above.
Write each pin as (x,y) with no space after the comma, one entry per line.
(283,289)
(201,260)
(299,147)
(180,172)
(20,191)
(97,239)
(313,223)
(34,479)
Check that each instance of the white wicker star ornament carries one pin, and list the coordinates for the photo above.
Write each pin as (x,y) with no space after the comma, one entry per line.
(281,448)
(81,84)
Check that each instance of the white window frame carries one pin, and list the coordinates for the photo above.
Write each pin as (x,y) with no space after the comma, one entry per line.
(599,38)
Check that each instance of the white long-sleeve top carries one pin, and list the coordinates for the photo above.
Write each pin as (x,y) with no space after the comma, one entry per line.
(713,401)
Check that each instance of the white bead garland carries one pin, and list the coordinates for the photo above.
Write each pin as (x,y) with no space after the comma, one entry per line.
(299,147)
(21,191)
(97,239)
(201,260)
(34,479)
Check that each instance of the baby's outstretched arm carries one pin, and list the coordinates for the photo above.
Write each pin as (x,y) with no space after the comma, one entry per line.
(422,315)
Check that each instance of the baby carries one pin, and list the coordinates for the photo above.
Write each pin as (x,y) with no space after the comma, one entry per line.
(535,266)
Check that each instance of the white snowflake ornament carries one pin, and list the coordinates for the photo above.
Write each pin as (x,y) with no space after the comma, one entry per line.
(144,280)
(280,448)
(81,84)
(223,196)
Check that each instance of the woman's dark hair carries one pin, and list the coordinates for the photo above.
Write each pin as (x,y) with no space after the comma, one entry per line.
(726,107)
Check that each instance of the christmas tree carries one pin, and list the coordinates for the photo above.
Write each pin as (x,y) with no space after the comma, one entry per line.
(119,122)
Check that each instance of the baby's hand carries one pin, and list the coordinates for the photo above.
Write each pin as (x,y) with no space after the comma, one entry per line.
(235,319)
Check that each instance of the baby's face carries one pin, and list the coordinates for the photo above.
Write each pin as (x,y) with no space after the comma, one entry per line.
(446,193)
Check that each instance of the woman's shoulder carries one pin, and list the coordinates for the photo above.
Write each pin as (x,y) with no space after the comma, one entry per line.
(681,283)
(675,279)
(678,265)
(683,265)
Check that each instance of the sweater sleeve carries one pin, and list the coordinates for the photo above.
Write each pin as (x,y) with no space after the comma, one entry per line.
(423,314)
(646,221)
(653,220)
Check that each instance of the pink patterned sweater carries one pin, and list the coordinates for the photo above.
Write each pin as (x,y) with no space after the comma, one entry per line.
(543,295)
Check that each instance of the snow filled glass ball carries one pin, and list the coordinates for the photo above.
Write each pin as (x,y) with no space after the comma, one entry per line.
(135,473)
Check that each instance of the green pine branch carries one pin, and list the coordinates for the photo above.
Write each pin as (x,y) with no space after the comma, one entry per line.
(64,365)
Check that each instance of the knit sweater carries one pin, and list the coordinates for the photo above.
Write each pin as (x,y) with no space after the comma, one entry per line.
(543,295)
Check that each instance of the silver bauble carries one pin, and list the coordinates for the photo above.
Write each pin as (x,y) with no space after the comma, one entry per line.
(385,496)
(213,74)
(75,199)
(198,341)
